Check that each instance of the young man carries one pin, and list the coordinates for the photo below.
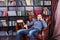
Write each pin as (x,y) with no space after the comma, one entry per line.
(34,30)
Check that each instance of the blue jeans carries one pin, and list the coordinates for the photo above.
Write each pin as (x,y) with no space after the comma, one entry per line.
(31,32)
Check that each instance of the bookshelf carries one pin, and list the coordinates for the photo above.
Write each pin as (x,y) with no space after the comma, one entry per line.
(13,10)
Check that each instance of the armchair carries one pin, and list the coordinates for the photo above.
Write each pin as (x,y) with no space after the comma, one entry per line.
(43,35)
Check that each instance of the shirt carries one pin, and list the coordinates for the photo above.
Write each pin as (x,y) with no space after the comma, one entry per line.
(38,24)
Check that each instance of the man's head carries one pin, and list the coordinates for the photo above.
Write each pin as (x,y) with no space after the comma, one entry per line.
(39,16)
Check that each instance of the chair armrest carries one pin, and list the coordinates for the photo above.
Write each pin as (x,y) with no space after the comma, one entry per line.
(45,33)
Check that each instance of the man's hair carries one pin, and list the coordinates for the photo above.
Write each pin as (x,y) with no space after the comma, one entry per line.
(40,14)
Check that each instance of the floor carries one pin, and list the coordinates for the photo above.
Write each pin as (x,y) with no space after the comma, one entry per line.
(4,35)
(7,38)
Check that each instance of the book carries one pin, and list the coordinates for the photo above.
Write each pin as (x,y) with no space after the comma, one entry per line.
(12,9)
(12,23)
(4,23)
(47,10)
(3,2)
(20,8)
(1,14)
(29,2)
(12,3)
(11,13)
(19,3)
(3,8)
(29,8)
(38,2)
(47,2)
(20,13)
(23,2)
(0,23)
(5,13)
(37,10)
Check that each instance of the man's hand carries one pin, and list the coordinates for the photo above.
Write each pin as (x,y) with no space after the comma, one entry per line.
(26,26)
(41,19)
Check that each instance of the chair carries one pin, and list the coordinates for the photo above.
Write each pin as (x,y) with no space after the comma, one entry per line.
(43,35)
(44,32)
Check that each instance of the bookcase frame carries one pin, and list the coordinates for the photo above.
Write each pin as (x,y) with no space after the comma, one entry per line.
(21,17)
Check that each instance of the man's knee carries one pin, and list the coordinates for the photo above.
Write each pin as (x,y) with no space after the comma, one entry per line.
(19,31)
(31,33)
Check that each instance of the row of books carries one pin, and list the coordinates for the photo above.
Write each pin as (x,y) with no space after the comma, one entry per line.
(4,23)
(12,13)
(46,11)
(12,23)
(38,10)
(23,2)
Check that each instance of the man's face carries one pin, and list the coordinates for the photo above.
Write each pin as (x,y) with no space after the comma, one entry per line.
(39,17)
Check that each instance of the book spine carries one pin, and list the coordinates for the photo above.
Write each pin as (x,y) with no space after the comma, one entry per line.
(13,23)
(5,13)
(20,13)
(9,23)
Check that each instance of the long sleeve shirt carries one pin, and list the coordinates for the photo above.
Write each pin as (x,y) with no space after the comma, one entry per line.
(38,24)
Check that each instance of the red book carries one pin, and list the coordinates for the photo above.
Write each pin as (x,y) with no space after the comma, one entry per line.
(5,13)
(38,11)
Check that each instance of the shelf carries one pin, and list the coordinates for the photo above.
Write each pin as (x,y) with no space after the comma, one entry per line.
(7,26)
(3,16)
(47,15)
(26,6)
(12,26)
(7,6)
(3,26)
(47,5)
(16,16)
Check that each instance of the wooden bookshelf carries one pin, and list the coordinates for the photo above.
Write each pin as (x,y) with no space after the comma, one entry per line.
(23,7)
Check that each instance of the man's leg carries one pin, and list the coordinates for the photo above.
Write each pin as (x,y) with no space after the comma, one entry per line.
(32,33)
(19,32)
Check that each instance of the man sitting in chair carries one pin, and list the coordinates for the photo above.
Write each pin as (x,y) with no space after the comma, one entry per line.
(34,30)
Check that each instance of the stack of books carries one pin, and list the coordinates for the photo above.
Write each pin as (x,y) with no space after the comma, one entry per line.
(5,13)
(12,8)
(1,14)
(12,3)
(11,23)
(23,2)
(0,23)
(11,13)
(3,8)
(3,2)
(38,10)
(29,8)
(29,2)
(38,2)
(47,10)
(47,2)
(20,13)
(3,23)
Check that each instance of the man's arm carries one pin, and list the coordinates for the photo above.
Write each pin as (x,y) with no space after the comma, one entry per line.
(31,23)
(44,23)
